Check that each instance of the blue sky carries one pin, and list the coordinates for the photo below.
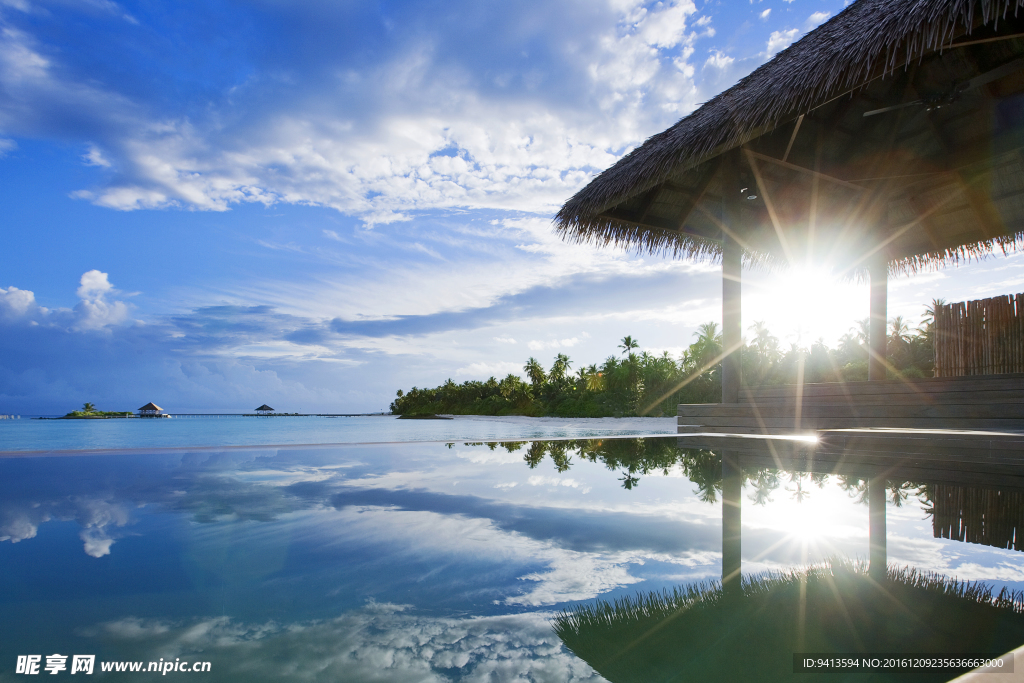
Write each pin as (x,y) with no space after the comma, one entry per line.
(214,204)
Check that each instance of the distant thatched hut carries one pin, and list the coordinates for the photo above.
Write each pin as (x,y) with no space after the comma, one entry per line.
(264,410)
(151,410)
(887,140)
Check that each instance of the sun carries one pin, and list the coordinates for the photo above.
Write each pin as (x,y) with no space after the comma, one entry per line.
(803,304)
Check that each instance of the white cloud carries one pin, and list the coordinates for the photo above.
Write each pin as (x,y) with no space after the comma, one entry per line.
(817,18)
(94,285)
(423,136)
(719,60)
(535,345)
(538,480)
(483,370)
(94,312)
(780,40)
(16,302)
(764,14)
(94,157)
(7,146)
(505,340)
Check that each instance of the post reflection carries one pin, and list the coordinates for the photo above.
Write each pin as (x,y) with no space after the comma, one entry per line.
(732,499)
(876,528)
(749,626)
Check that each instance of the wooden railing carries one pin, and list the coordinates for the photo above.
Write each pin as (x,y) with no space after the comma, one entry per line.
(984,337)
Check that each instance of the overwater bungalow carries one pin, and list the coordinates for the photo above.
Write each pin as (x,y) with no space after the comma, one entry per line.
(264,410)
(151,410)
(887,141)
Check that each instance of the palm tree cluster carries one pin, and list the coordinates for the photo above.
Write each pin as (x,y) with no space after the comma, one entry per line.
(634,382)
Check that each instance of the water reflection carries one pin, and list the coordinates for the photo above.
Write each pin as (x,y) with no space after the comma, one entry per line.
(747,628)
(447,559)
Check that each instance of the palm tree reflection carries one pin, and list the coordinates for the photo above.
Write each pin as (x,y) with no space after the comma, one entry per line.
(749,627)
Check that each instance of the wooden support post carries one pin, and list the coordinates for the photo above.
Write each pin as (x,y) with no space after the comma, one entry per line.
(732,493)
(876,528)
(732,328)
(879,275)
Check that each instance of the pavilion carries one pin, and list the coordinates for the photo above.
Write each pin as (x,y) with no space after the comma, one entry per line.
(264,410)
(888,140)
(151,410)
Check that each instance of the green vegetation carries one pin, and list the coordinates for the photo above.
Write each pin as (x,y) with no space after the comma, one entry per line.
(89,412)
(631,383)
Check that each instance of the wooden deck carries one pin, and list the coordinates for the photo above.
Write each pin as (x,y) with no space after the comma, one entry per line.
(980,402)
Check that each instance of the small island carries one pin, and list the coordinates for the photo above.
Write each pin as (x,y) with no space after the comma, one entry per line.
(89,412)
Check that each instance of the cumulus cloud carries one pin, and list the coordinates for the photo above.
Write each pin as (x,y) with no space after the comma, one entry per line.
(16,302)
(94,285)
(426,125)
(719,60)
(95,310)
(817,18)
(537,345)
(780,40)
(764,14)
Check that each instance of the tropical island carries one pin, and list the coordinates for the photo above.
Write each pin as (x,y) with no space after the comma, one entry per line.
(630,384)
(89,412)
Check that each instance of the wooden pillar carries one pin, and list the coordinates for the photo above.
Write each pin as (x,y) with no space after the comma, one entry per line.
(879,275)
(876,528)
(732,492)
(732,328)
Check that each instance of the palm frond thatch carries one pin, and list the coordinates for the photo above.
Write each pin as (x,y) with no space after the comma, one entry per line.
(869,42)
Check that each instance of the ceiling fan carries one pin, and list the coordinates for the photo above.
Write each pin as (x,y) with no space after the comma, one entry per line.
(949,97)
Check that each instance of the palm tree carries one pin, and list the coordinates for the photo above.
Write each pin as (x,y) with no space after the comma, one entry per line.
(535,371)
(928,319)
(89,408)
(899,332)
(864,331)
(560,368)
(595,378)
(628,344)
(708,345)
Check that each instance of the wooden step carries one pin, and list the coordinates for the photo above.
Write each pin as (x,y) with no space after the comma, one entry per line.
(843,422)
(1006,382)
(930,398)
(842,411)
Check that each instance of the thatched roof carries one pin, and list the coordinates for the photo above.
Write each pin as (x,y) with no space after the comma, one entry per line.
(935,183)
(263,408)
(151,406)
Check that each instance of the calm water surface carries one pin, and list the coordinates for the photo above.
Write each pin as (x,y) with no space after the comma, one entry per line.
(33,435)
(401,562)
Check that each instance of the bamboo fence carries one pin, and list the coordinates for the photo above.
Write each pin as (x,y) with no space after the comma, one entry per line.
(984,337)
(983,516)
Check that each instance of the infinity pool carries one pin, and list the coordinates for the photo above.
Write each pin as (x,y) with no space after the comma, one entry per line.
(408,562)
